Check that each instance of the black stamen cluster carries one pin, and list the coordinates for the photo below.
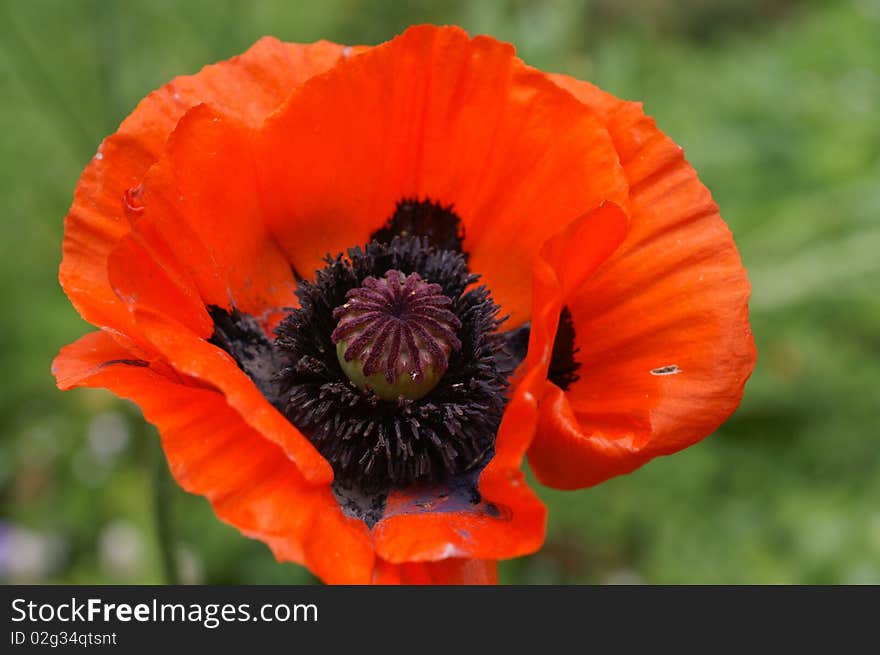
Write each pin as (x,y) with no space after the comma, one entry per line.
(376,445)
(424,218)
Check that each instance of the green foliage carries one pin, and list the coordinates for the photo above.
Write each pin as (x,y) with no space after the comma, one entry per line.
(775,104)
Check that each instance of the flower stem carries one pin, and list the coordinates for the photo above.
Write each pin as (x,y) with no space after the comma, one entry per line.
(163,516)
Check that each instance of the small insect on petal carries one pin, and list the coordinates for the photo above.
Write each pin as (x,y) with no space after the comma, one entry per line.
(670,369)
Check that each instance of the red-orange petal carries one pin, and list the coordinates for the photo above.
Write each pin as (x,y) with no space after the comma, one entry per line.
(199,241)
(662,326)
(202,212)
(212,451)
(434,114)
(510,520)
(248,87)
(516,525)
(143,280)
(444,572)
(564,264)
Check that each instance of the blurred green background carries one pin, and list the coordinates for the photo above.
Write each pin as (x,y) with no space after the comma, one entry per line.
(776,104)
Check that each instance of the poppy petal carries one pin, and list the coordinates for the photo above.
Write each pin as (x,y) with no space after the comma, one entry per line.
(201,203)
(249,481)
(201,241)
(508,522)
(576,252)
(564,262)
(148,291)
(510,525)
(662,327)
(443,572)
(249,87)
(409,119)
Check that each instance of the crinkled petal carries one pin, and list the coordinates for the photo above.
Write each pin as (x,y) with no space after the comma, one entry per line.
(661,328)
(434,114)
(509,520)
(201,210)
(212,451)
(248,87)
(200,241)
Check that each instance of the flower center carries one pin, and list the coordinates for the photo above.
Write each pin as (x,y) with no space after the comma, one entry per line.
(393,364)
(394,367)
(395,335)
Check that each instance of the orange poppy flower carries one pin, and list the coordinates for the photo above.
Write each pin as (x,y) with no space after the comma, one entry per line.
(317,268)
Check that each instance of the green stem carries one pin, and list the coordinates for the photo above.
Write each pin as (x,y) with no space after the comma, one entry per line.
(162,514)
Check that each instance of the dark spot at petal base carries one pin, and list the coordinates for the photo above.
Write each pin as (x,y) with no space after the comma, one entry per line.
(458,494)
(516,344)
(564,368)
(359,504)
